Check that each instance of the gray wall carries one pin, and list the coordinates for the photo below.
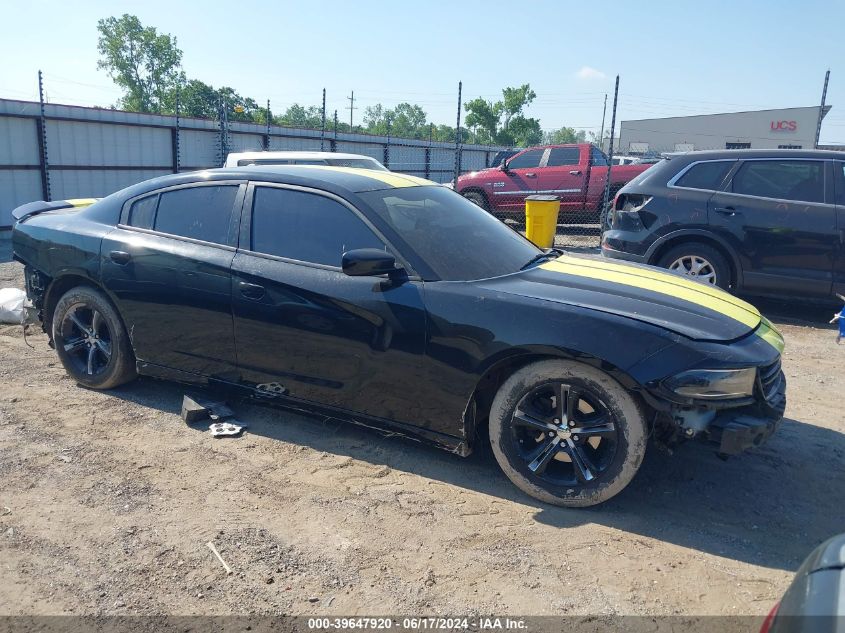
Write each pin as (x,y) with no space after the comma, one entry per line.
(713,131)
(93,152)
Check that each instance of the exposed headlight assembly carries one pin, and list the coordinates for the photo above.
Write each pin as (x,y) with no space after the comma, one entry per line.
(714,384)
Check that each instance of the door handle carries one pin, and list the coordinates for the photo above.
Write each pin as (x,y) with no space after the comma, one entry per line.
(728,211)
(121,258)
(251,291)
(574,172)
(531,175)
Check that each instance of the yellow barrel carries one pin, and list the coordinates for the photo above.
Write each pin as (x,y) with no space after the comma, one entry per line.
(541,219)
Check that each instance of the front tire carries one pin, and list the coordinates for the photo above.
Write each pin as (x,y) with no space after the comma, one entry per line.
(91,341)
(567,433)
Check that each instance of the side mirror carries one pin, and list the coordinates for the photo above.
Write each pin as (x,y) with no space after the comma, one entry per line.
(369,262)
(504,166)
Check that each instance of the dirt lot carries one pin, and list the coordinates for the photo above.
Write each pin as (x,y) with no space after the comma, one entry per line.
(108,499)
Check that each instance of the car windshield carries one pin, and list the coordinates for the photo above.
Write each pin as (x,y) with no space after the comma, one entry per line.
(458,240)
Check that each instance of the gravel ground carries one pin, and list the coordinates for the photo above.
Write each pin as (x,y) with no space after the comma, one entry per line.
(107,501)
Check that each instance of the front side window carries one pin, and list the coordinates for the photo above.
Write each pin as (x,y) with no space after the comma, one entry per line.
(708,176)
(201,213)
(560,156)
(306,227)
(800,180)
(526,160)
(455,238)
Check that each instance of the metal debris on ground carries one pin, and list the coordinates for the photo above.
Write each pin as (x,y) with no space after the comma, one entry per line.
(198,410)
(223,429)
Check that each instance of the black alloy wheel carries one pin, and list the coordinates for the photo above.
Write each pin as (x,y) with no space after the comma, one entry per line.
(565,434)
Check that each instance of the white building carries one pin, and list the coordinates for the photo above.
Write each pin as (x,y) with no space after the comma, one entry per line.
(786,128)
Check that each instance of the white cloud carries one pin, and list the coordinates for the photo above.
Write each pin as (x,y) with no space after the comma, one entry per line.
(588,72)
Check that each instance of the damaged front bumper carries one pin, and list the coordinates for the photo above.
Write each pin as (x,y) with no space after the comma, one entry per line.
(733,427)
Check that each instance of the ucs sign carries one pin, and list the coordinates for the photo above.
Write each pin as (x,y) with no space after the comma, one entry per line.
(784,126)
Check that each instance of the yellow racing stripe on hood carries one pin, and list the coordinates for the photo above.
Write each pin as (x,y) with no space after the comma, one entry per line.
(771,335)
(657,273)
(665,284)
(387,177)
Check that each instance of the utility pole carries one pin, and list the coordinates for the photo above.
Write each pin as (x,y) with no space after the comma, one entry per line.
(603,115)
(351,107)
(821,109)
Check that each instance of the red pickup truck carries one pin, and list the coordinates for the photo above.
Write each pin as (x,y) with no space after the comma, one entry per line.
(576,173)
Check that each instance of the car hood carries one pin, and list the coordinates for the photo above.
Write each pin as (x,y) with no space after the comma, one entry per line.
(644,293)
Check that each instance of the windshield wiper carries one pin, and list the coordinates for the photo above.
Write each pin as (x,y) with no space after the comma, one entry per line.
(552,252)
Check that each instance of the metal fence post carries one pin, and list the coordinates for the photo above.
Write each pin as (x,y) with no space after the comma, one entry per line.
(428,151)
(458,137)
(323,127)
(174,139)
(821,109)
(606,196)
(42,142)
(387,146)
(267,133)
(334,140)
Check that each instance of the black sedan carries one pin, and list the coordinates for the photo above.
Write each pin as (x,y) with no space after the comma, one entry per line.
(393,302)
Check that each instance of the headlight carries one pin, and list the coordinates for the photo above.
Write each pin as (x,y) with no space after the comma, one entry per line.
(711,384)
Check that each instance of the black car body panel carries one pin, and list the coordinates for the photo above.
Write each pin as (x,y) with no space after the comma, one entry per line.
(412,352)
(784,246)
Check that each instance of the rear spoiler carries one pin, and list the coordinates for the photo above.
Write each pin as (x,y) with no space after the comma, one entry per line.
(24,211)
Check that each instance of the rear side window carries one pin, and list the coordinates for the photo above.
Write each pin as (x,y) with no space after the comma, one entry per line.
(800,180)
(839,172)
(142,213)
(709,175)
(201,213)
(307,227)
(598,158)
(526,160)
(560,156)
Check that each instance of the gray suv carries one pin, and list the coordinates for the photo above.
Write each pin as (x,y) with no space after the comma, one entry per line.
(766,222)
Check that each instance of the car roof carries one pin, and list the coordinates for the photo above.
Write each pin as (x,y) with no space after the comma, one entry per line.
(338,180)
(742,154)
(293,155)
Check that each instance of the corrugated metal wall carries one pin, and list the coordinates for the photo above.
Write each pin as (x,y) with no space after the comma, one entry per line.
(93,152)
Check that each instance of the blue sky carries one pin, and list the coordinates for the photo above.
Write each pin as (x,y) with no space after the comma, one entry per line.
(674,58)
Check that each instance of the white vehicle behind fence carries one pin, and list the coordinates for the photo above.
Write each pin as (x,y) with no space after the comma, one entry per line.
(242,159)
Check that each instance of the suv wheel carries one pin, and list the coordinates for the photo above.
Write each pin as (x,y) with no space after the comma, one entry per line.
(91,341)
(477,198)
(567,433)
(699,262)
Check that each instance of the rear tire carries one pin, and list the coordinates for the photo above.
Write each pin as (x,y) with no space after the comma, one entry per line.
(91,341)
(576,449)
(700,262)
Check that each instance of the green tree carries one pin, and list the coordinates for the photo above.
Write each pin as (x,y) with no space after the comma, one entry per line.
(302,116)
(564,135)
(142,61)
(504,122)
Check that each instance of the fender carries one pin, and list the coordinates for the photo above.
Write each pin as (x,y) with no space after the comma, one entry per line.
(681,233)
